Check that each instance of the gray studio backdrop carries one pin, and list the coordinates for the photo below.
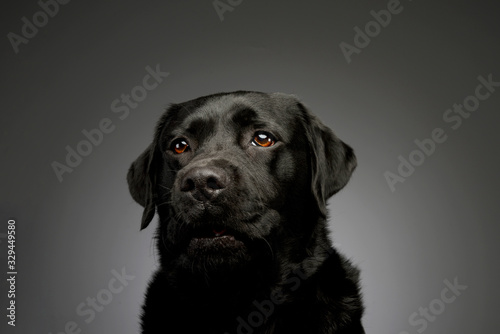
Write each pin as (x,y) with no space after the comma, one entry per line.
(413,86)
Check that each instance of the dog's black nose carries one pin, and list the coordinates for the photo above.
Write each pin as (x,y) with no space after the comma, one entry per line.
(204,183)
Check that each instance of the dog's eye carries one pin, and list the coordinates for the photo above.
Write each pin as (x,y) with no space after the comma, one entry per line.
(263,139)
(179,146)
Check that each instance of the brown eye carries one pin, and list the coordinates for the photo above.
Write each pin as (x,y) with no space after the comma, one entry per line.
(179,146)
(263,139)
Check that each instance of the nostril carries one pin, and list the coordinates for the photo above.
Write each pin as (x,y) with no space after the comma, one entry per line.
(188,185)
(213,184)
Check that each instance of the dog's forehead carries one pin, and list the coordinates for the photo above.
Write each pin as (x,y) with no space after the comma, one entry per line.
(277,111)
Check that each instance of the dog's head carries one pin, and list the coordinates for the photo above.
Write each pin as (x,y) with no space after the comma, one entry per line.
(238,176)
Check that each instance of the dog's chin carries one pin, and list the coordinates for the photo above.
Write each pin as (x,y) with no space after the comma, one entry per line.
(220,245)
(213,246)
(220,253)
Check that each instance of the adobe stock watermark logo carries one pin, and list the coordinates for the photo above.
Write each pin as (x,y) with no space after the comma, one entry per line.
(89,308)
(421,319)
(29,29)
(120,106)
(363,37)
(454,117)
(222,6)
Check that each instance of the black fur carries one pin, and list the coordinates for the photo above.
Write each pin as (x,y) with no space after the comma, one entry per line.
(242,233)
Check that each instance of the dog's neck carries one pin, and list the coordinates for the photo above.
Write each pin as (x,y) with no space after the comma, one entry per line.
(220,291)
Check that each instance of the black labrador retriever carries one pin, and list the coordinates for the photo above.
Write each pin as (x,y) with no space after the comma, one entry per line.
(240,183)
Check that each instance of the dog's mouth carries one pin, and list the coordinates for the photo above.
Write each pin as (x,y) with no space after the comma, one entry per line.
(211,232)
(220,232)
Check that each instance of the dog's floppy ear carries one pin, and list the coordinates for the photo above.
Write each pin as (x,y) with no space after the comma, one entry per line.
(332,161)
(141,181)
